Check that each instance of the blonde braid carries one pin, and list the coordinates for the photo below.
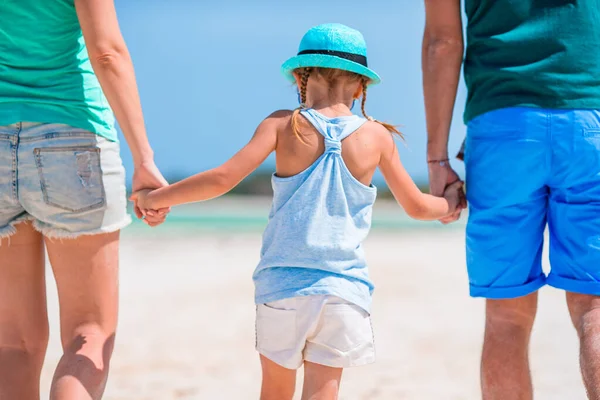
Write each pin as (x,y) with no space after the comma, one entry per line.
(303,85)
(364,101)
(391,128)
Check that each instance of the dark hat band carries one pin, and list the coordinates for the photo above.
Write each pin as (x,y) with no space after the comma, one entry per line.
(357,58)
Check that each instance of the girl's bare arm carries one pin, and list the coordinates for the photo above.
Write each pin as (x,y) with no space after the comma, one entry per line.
(218,181)
(417,205)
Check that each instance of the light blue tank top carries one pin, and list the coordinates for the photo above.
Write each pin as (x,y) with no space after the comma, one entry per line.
(319,219)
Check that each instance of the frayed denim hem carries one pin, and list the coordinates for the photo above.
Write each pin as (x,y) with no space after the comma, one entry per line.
(8,230)
(57,233)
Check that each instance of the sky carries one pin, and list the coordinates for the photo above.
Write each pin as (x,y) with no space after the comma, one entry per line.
(209,72)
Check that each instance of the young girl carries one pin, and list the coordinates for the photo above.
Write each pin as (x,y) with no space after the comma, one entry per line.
(313,292)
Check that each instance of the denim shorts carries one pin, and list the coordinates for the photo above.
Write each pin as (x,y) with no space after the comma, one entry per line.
(66,180)
(528,169)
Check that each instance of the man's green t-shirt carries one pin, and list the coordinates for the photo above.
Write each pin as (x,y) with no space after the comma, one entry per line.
(532,53)
(45,71)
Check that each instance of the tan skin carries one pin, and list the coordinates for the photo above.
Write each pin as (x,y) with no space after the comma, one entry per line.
(442,62)
(505,370)
(23,317)
(86,274)
(369,148)
(85,268)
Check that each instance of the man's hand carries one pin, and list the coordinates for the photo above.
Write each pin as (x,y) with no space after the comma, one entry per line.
(441,175)
(453,195)
(147,176)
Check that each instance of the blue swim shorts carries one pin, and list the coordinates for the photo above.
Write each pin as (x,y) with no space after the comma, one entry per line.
(528,168)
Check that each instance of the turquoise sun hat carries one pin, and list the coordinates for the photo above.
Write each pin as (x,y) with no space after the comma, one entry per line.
(332,46)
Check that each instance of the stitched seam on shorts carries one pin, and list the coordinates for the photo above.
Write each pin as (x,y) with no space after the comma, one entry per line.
(38,162)
(58,135)
(550,139)
(15,163)
(93,149)
(499,135)
(372,333)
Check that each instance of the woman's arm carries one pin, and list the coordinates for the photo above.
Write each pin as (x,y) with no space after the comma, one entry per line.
(113,67)
(417,205)
(218,181)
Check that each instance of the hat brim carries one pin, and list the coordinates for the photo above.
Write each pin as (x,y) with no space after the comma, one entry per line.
(327,61)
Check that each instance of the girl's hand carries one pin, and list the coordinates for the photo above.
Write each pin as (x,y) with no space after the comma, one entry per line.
(454,195)
(151,216)
(147,176)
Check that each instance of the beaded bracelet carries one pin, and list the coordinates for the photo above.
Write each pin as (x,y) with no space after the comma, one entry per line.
(442,163)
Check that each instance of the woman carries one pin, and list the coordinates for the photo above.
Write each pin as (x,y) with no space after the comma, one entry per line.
(62,187)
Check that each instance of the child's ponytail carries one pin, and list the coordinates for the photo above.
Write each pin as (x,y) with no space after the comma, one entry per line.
(391,128)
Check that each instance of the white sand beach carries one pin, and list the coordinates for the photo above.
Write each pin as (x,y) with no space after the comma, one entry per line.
(187,321)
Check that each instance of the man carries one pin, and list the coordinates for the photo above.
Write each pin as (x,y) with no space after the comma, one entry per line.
(532,155)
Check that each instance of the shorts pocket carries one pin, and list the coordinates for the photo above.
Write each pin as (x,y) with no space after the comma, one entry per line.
(275,328)
(345,327)
(592,137)
(493,136)
(71,177)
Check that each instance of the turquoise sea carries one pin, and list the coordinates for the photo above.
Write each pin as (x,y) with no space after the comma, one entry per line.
(250,214)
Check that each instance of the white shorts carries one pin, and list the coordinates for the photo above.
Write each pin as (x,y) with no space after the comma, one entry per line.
(323,330)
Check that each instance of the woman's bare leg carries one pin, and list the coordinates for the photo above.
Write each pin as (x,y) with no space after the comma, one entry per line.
(23,316)
(86,273)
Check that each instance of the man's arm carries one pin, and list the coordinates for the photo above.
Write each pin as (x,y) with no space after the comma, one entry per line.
(441,60)
(442,56)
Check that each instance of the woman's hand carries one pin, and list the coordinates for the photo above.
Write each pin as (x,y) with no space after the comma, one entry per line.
(147,177)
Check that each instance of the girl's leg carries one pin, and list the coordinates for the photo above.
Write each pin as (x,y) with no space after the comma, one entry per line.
(23,317)
(86,273)
(321,382)
(278,383)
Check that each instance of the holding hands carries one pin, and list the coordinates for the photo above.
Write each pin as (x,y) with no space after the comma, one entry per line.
(142,203)
(146,178)
(445,182)
(455,197)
